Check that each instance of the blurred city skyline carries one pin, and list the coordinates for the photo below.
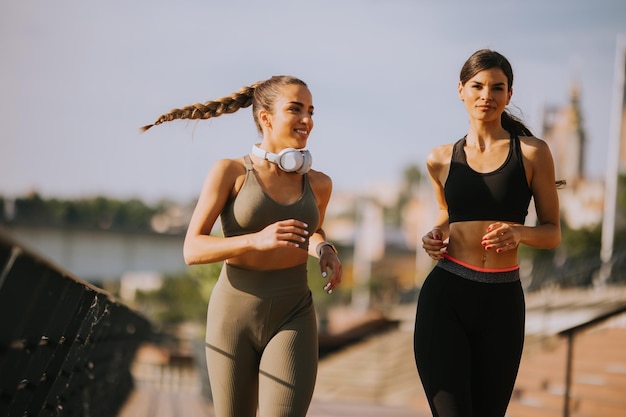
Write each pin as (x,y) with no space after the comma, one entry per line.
(78,80)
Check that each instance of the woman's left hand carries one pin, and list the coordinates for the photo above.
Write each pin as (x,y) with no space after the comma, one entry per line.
(501,237)
(330,260)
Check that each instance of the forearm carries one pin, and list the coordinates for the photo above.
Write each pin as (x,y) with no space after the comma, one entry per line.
(545,236)
(316,238)
(205,249)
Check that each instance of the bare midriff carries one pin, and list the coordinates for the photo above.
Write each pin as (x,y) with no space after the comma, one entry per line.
(465,245)
(280,258)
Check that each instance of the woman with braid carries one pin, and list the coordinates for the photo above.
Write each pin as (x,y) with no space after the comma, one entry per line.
(261,339)
(469,329)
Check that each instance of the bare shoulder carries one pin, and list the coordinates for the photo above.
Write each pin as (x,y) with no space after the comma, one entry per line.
(534,148)
(226,172)
(321,184)
(229,166)
(319,180)
(538,161)
(536,154)
(439,156)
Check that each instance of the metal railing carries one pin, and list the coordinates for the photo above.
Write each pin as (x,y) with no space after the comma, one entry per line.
(570,335)
(66,347)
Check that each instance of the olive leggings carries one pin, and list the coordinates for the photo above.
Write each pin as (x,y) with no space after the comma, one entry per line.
(261,343)
(468,342)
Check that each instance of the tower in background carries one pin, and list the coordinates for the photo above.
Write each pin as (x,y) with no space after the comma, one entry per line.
(582,199)
(563,130)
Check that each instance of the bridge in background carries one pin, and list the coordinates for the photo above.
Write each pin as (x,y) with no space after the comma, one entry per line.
(103,255)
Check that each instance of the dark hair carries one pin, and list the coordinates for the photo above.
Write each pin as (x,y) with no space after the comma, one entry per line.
(485,59)
(261,95)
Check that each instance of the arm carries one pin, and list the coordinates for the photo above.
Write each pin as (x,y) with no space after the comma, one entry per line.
(433,242)
(328,259)
(199,246)
(547,234)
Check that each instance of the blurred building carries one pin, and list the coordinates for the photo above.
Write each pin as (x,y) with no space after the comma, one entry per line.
(582,199)
(378,253)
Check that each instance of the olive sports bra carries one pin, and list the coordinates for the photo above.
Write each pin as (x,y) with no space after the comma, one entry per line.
(252,209)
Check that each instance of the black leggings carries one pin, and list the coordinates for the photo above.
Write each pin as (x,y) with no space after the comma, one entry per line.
(468,343)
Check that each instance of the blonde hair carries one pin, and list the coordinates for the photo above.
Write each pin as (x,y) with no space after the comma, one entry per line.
(261,95)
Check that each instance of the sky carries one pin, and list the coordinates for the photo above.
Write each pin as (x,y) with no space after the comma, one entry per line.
(78,79)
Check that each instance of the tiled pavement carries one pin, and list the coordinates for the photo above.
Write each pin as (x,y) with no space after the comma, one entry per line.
(377,376)
(147,403)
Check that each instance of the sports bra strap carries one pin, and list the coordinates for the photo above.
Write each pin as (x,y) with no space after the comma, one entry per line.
(248,162)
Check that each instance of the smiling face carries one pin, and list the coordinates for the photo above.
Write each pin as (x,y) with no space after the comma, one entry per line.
(486,95)
(290,122)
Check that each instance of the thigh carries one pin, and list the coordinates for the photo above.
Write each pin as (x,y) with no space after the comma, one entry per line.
(289,366)
(441,343)
(498,349)
(233,381)
(232,356)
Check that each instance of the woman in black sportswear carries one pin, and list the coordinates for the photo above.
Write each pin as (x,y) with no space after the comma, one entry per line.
(469,329)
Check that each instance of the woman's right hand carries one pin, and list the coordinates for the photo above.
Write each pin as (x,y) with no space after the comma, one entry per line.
(284,233)
(433,244)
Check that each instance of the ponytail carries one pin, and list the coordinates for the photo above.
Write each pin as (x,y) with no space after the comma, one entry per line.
(514,125)
(261,95)
(215,108)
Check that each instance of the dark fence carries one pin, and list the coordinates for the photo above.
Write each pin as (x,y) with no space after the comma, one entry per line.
(66,347)
(570,335)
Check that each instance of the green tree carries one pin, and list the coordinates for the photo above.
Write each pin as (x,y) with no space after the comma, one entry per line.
(410,182)
(182,297)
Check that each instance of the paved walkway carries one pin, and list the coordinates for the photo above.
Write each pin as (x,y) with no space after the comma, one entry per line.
(147,403)
(377,376)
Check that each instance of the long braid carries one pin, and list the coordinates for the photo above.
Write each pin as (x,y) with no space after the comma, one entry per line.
(228,104)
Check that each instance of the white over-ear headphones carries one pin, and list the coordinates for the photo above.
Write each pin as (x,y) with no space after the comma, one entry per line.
(289,159)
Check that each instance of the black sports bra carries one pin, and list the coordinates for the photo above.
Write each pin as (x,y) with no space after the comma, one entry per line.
(502,194)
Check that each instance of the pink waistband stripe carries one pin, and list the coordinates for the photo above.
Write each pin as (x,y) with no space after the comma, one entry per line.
(478,268)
